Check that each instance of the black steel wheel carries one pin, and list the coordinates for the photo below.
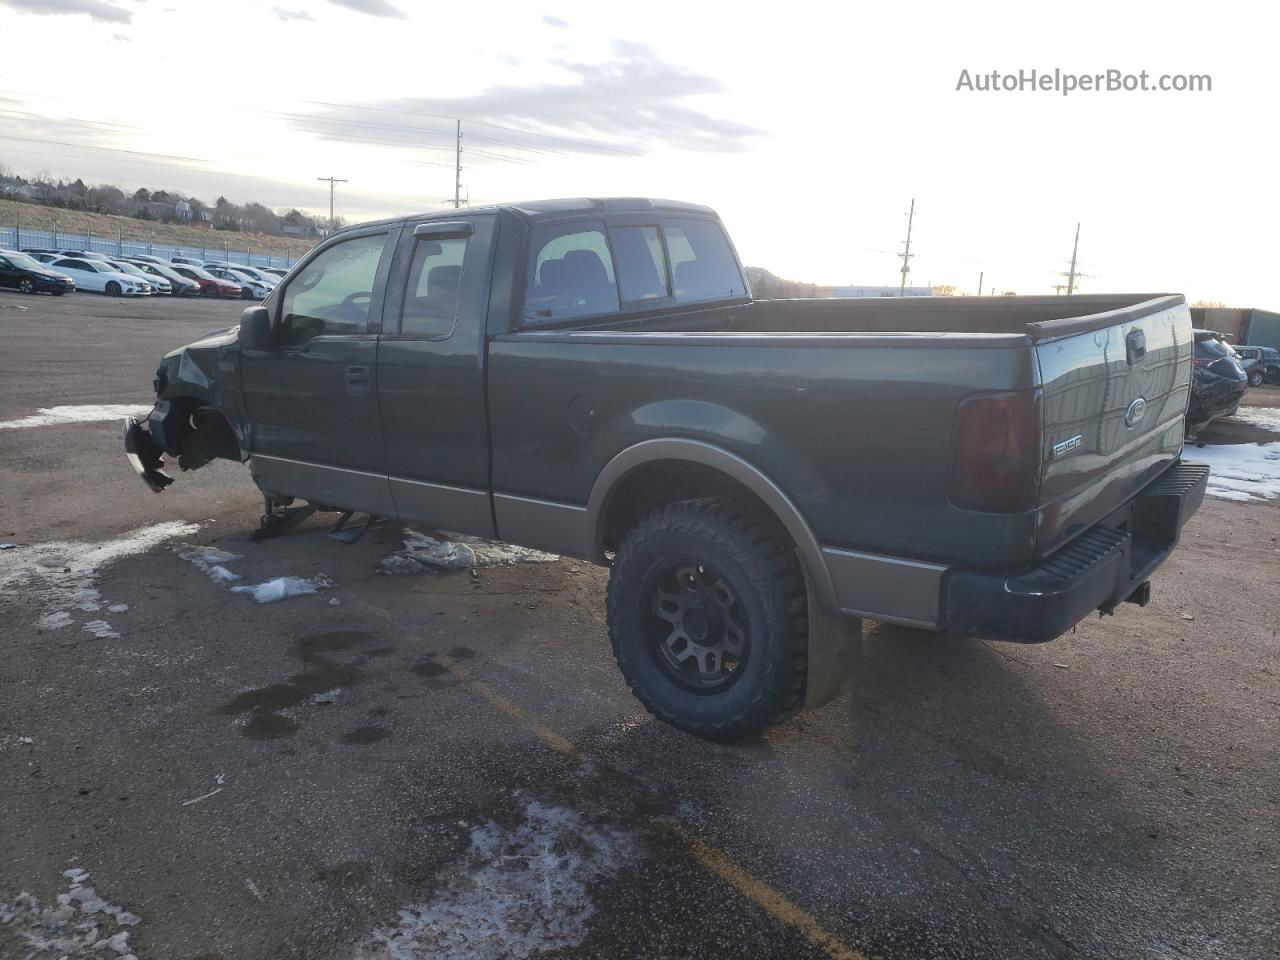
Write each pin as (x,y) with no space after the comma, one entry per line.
(697,630)
(708,617)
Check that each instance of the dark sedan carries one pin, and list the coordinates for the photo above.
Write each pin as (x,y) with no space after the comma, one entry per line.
(1218,382)
(20,272)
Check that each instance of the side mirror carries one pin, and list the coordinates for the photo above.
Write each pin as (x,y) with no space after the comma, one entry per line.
(255,328)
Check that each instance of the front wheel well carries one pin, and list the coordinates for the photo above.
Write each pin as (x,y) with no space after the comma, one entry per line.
(197,433)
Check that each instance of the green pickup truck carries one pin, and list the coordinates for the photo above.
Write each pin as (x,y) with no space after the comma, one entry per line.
(594,379)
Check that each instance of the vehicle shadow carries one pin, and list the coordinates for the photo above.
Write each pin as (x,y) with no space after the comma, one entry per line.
(955,779)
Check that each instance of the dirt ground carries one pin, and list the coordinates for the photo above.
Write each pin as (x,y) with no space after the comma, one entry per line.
(449,765)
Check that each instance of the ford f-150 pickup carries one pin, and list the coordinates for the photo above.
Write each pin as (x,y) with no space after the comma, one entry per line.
(594,379)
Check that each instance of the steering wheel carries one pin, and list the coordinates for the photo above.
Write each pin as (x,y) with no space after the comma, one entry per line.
(350,306)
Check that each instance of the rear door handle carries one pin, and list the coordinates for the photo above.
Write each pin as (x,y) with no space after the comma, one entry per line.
(1135,346)
(359,380)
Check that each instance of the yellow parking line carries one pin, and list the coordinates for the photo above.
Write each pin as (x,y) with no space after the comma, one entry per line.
(512,709)
(764,896)
(758,892)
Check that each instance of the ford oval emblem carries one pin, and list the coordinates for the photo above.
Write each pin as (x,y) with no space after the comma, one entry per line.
(1137,410)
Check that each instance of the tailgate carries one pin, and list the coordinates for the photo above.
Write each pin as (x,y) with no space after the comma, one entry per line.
(1115,391)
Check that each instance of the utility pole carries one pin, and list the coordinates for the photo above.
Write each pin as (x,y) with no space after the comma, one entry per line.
(981,274)
(331,181)
(1071,275)
(906,250)
(457,168)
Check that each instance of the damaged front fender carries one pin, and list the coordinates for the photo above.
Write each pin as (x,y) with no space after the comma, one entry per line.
(197,415)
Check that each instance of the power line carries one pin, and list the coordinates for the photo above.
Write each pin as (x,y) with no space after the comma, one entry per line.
(589,144)
(90,146)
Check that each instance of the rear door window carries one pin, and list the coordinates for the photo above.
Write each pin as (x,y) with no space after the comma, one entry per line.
(641,263)
(434,288)
(703,266)
(570,273)
(1210,347)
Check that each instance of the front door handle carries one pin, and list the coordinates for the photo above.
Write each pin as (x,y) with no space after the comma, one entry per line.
(359,380)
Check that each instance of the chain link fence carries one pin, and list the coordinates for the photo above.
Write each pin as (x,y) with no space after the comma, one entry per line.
(21,238)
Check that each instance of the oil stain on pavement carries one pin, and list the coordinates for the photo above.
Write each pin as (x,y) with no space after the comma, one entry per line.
(322,674)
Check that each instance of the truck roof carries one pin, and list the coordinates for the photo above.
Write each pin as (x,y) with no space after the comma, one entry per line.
(535,210)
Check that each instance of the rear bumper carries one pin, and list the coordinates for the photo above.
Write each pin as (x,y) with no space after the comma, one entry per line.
(1100,569)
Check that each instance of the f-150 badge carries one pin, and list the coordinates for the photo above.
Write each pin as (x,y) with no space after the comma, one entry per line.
(1066,446)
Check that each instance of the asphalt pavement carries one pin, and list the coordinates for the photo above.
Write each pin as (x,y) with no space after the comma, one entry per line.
(450,765)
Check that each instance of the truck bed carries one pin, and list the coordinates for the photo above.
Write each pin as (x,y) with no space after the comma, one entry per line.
(1035,317)
(851,403)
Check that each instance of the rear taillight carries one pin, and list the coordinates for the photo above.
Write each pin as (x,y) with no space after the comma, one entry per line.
(995,452)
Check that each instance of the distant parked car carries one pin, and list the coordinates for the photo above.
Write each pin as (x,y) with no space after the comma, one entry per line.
(20,272)
(210,286)
(158,284)
(275,271)
(250,287)
(43,256)
(101,277)
(182,286)
(252,272)
(187,261)
(1218,382)
(1262,364)
(146,258)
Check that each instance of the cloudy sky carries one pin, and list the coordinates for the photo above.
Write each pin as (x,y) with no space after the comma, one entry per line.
(809,126)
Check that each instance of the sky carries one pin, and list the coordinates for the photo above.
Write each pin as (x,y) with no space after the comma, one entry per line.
(809,127)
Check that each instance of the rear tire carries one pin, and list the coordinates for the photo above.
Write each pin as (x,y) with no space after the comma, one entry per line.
(210,291)
(1256,377)
(708,617)
(113,289)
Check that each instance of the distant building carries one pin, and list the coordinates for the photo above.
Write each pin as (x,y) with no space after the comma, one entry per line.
(1240,324)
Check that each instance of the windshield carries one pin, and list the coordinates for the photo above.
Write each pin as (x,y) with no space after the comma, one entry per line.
(22,261)
(102,266)
(129,268)
(196,271)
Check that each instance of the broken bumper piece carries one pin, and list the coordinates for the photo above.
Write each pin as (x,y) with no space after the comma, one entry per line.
(144,455)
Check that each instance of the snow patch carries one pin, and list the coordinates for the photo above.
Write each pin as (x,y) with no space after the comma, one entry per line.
(1268,418)
(281,588)
(61,575)
(84,413)
(515,893)
(1242,471)
(55,620)
(100,629)
(118,608)
(80,927)
(456,552)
